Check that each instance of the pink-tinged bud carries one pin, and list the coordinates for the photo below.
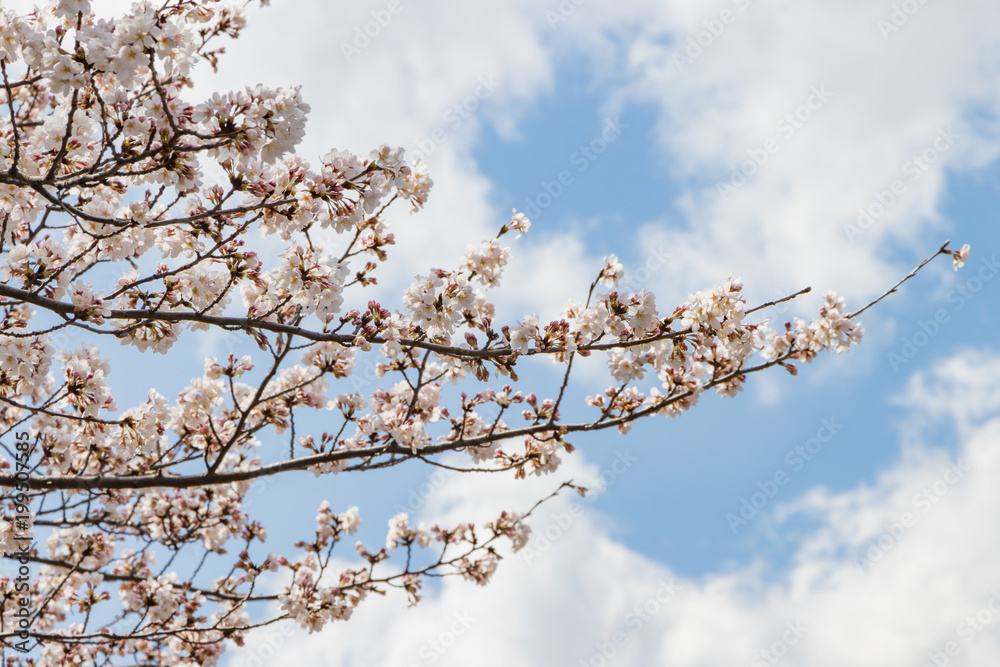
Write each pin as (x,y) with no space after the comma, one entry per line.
(482,373)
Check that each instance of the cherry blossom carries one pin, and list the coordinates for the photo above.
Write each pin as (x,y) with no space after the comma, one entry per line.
(131,211)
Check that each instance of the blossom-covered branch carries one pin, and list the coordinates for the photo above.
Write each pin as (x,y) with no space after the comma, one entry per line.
(132,215)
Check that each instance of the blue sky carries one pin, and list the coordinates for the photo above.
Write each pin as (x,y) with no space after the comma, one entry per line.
(695,464)
(655,190)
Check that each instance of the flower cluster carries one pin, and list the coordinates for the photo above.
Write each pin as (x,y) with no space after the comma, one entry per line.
(833,330)
(130,211)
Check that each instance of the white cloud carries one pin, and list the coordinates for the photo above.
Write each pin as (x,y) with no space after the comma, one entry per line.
(785,228)
(889,100)
(964,386)
(892,573)
(486,66)
(891,94)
